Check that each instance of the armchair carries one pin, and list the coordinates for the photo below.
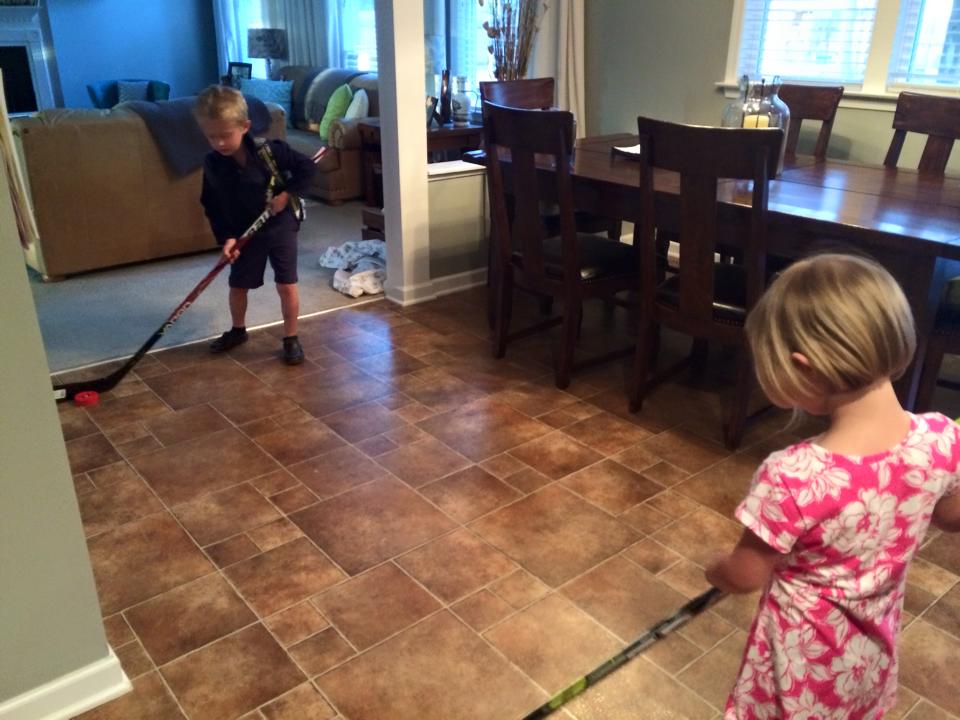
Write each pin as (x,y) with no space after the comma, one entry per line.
(106,94)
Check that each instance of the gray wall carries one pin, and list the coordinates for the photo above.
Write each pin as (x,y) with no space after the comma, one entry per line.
(662,58)
(49,616)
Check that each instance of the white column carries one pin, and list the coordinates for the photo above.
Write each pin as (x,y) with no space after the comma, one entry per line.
(403,142)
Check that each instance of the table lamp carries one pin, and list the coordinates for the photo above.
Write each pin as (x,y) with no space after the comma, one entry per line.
(269,43)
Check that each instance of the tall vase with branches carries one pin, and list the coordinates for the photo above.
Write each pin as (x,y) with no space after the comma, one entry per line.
(512,27)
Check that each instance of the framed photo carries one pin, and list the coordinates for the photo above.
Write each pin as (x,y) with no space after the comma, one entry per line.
(238,71)
(431,109)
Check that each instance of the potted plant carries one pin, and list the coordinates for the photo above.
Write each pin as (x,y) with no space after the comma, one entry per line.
(512,27)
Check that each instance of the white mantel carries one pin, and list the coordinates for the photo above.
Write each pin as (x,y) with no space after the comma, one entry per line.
(21,26)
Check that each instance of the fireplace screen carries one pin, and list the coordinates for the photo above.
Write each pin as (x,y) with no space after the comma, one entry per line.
(18,85)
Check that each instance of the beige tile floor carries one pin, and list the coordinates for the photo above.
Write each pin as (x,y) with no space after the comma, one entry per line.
(403,527)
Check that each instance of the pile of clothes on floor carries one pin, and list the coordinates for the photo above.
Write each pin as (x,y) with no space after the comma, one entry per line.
(361,266)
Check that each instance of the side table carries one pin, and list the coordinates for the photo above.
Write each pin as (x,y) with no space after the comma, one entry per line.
(438,139)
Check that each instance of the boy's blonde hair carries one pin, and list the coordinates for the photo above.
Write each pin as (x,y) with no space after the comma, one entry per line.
(218,102)
(846,314)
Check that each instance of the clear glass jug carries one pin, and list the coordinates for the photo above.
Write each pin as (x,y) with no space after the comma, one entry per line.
(759,106)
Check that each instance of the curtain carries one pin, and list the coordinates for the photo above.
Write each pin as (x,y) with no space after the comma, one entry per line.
(306,26)
(231,20)
(559,53)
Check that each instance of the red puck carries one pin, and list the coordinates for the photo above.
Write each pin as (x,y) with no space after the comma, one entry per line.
(87,397)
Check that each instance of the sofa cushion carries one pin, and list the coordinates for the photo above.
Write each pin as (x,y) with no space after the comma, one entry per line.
(321,89)
(358,106)
(275,91)
(336,108)
(128,90)
(368,82)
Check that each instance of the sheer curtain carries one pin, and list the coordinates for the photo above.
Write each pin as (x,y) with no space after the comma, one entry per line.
(231,19)
(306,26)
(559,53)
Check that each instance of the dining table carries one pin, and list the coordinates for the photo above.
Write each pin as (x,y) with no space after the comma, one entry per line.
(907,221)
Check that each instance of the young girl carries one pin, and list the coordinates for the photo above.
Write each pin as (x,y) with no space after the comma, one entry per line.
(833,522)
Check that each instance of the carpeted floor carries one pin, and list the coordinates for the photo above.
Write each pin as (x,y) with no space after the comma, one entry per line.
(108,314)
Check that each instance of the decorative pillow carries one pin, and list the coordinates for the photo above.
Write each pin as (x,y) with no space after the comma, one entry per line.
(132,90)
(358,106)
(336,108)
(275,91)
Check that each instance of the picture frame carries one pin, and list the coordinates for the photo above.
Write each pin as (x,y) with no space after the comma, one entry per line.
(431,108)
(238,71)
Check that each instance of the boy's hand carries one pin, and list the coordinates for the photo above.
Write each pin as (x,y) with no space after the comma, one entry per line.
(230,251)
(279,203)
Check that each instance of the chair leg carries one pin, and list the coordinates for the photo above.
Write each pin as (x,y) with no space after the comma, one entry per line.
(698,356)
(648,344)
(739,403)
(572,315)
(932,359)
(504,309)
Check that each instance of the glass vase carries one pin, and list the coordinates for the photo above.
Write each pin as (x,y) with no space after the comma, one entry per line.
(759,106)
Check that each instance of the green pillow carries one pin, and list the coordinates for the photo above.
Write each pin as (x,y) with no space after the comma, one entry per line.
(336,108)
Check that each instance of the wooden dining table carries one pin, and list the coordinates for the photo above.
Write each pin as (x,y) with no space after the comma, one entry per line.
(908,222)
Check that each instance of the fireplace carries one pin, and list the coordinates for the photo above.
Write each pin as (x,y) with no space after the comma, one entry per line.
(24,61)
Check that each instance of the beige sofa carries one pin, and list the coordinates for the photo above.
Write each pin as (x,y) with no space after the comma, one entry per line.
(104,195)
(339,173)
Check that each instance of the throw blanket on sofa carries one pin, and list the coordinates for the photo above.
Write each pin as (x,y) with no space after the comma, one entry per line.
(177,133)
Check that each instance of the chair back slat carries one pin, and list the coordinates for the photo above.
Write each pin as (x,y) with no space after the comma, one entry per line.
(811,102)
(527,137)
(529,94)
(934,116)
(703,156)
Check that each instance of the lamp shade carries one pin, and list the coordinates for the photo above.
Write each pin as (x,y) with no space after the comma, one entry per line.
(270,43)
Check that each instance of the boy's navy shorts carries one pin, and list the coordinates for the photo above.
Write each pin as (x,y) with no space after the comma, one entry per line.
(277,244)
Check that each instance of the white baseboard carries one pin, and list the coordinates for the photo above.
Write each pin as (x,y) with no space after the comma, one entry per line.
(444,285)
(70,694)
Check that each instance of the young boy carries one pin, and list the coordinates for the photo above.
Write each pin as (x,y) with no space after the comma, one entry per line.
(236,177)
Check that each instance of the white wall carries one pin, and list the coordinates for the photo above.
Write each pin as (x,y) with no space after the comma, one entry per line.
(662,58)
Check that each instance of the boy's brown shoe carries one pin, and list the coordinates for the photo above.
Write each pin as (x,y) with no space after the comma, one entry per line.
(229,340)
(292,352)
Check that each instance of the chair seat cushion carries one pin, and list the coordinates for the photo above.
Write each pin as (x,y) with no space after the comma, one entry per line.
(729,293)
(599,257)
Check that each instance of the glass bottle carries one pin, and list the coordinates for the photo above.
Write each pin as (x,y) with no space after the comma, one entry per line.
(759,106)
(460,103)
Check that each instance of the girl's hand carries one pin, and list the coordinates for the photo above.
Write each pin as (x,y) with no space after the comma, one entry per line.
(279,203)
(230,252)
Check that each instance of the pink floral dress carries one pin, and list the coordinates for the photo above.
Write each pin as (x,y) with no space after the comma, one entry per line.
(823,643)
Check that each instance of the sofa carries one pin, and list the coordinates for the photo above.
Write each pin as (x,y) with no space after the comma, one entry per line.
(104,195)
(339,174)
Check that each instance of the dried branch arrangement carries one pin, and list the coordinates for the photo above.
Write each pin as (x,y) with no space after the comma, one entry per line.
(512,27)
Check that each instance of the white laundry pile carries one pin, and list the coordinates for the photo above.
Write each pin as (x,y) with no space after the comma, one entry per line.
(361,266)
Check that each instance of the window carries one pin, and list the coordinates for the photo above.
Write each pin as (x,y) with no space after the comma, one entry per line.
(926,50)
(873,47)
(455,39)
(358,40)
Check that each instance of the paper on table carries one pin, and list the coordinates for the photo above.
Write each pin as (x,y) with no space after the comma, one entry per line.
(632,151)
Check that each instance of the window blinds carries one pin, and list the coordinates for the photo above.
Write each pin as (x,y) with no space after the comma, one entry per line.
(926,49)
(809,40)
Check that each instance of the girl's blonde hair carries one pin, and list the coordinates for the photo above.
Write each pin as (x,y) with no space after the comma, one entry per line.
(846,314)
(218,102)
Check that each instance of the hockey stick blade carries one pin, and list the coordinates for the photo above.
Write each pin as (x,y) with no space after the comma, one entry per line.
(659,631)
(68,391)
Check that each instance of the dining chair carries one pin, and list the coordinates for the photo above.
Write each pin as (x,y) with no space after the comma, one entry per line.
(936,117)
(538,94)
(571,267)
(705,299)
(811,102)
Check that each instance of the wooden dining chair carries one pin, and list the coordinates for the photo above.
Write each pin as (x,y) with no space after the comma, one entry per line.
(936,117)
(538,94)
(811,102)
(704,299)
(571,267)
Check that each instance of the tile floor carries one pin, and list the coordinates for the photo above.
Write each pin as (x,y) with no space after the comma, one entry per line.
(403,527)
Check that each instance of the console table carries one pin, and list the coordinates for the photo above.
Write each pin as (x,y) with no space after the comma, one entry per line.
(442,138)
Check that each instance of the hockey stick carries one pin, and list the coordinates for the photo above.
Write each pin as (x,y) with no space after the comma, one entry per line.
(69,390)
(657,632)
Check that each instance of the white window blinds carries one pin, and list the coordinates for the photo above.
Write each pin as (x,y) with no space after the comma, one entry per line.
(807,40)
(926,50)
